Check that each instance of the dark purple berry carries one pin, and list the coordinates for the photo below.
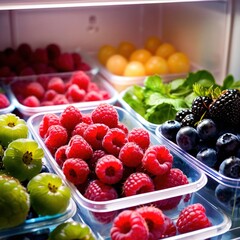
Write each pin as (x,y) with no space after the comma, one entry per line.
(230,167)
(207,130)
(169,129)
(207,156)
(182,114)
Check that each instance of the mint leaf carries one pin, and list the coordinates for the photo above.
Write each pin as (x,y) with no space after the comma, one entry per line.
(155,83)
(228,82)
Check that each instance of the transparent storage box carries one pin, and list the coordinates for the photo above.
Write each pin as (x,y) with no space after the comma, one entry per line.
(27,111)
(97,214)
(220,190)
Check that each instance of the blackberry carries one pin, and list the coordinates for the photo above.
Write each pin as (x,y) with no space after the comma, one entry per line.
(225,109)
(182,113)
(189,120)
(200,106)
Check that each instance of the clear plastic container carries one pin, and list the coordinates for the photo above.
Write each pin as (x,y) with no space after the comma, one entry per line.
(11,106)
(220,190)
(28,111)
(96,213)
(41,222)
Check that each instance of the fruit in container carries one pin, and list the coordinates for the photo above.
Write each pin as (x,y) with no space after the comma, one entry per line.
(178,62)
(116,64)
(152,43)
(4,100)
(126,49)
(165,50)
(15,202)
(12,128)
(134,69)
(105,52)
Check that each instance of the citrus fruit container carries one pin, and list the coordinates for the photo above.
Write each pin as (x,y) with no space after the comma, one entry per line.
(99,214)
(57,97)
(220,190)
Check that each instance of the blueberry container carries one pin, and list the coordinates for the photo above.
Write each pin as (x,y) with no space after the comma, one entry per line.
(99,215)
(27,111)
(220,190)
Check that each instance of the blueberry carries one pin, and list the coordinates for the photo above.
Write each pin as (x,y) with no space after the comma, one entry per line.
(207,156)
(187,138)
(227,145)
(45,168)
(230,167)
(169,129)
(207,129)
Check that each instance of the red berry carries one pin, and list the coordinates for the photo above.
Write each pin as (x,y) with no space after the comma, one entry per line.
(81,79)
(94,135)
(35,89)
(4,102)
(43,80)
(64,62)
(93,96)
(80,128)
(76,170)
(114,140)
(123,127)
(53,51)
(137,183)
(109,169)
(31,101)
(60,99)
(99,191)
(78,147)
(70,117)
(75,93)
(40,56)
(92,86)
(60,155)
(77,60)
(140,136)
(192,218)
(87,118)
(97,154)
(57,84)
(106,114)
(50,95)
(48,120)
(155,221)
(157,160)
(25,51)
(129,225)
(27,71)
(170,228)
(131,154)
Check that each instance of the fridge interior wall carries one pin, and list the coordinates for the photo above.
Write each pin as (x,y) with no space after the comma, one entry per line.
(200,29)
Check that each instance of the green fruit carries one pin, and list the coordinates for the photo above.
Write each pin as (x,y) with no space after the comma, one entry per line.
(48,194)
(71,230)
(23,159)
(14,202)
(12,127)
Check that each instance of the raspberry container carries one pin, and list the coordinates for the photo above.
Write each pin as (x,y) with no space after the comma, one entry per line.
(11,106)
(220,190)
(27,111)
(99,215)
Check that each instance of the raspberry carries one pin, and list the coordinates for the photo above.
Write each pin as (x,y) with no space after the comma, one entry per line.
(109,169)
(75,93)
(77,60)
(70,117)
(192,218)
(56,84)
(81,79)
(87,118)
(31,101)
(53,51)
(60,99)
(79,129)
(4,102)
(97,154)
(106,114)
(25,51)
(98,191)
(40,56)
(131,154)
(78,147)
(60,155)
(129,225)
(105,94)
(64,62)
(94,135)
(123,127)
(85,67)
(56,137)
(35,89)
(175,177)
(114,140)
(170,228)
(157,160)
(48,120)
(155,221)
(105,217)
(49,95)
(93,96)
(76,170)
(92,86)
(27,71)
(137,183)
(140,136)
(43,80)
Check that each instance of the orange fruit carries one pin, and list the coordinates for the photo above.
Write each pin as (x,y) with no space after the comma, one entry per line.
(126,49)
(140,55)
(156,65)
(134,69)
(165,50)
(116,64)
(152,43)
(105,52)
(178,63)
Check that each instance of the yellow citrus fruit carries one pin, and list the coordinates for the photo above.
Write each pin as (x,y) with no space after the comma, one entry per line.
(165,50)
(178,63)
(152,43)
(105,52)
(140,55)
(156,65)
(126,49)
(116,64)
(134,69)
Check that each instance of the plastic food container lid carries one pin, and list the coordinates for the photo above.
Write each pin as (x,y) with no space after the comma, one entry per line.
(197,179)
